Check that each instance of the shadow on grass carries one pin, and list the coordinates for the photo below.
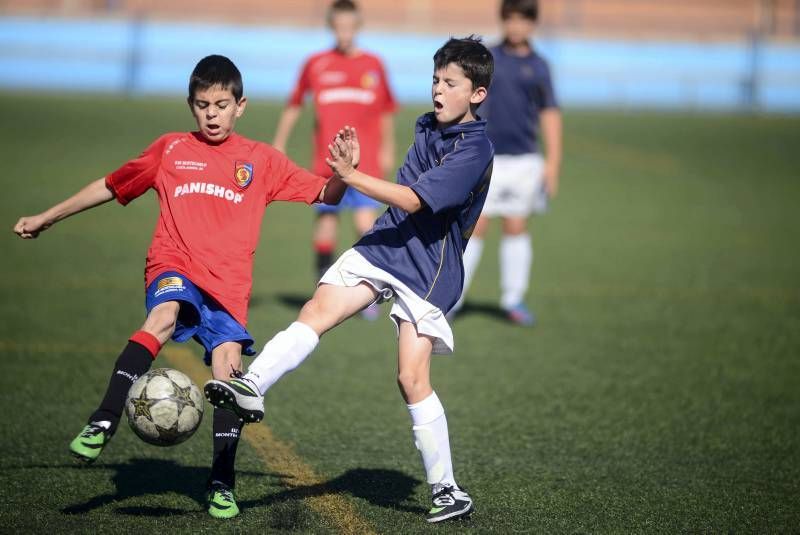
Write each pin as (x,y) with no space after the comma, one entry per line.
(481,308)
(148,477)
(295,301)
(384,488)
(389,489)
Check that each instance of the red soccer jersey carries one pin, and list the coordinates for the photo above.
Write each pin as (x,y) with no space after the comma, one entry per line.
(212,199)
(347,90)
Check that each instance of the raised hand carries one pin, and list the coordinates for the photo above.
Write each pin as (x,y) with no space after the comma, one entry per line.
(342,158)
(348,133)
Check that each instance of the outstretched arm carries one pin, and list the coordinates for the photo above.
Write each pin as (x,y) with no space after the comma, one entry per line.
(333,191)
(341,161)
(285,126)
(94,194)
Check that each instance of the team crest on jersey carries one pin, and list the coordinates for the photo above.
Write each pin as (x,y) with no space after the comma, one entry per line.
(243,174)
(369,80)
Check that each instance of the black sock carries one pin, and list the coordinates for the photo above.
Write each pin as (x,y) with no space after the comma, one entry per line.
(133,362)
(324,261)
(226,429)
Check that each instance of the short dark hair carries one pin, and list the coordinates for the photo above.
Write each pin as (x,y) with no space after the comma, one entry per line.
(216,70)
(471,55)
(527,8)
(340,6)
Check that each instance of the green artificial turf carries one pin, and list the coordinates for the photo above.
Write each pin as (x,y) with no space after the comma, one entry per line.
(658,393)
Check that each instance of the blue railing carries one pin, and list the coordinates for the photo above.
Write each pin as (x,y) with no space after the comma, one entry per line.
(145,57)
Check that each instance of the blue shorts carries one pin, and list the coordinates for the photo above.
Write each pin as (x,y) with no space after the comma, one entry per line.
(352,200)
(200,316)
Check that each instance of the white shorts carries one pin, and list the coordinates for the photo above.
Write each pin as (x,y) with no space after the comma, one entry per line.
(351,269)
(517,187)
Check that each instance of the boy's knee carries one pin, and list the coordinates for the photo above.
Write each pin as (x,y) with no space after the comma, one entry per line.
(313,314)
(411,382)
(162,319)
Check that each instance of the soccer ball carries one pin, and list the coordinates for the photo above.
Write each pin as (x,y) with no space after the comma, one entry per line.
(164,407)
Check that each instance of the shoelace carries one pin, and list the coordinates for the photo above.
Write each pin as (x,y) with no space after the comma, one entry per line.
(236,374)
(91,430)
(226,494)
(444,497)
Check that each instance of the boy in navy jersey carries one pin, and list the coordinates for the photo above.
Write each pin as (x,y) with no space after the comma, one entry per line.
(522,102)
(412,253)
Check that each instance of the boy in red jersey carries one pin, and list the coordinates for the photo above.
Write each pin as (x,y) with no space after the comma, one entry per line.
(349,86)
(212,186)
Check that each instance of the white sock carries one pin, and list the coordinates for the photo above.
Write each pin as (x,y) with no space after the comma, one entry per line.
(472,257)
(282,354)
(432,440)
(516,257)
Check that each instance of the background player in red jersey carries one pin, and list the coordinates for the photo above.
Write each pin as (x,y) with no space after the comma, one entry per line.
(212,187)
(349,86)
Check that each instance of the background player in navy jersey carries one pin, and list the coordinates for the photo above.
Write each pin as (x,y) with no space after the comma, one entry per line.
(412,253)
(349,86)
(522,101)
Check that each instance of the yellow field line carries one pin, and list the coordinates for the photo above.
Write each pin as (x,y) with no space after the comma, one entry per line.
(279,456)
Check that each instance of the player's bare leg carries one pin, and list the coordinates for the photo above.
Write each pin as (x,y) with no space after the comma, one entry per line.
(413,364)
(162,320)
(325,229)
(429,424)
(329,306)
(226,361)
(516,257)
(134,361)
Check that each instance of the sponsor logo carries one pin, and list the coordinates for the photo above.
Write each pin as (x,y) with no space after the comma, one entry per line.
(190,165)
(209,189)
(232,434)
(131,376)
(172,145)
(169,284)
(332,77)
(353,95)
(243,174)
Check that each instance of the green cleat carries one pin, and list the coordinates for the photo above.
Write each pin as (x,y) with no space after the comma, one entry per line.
(89,444)
(221,503)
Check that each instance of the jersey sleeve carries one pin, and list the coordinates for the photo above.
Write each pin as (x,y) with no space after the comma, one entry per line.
(545,94)
(450,184)
(138,175)
(388,103)
(302,86)
(292,183)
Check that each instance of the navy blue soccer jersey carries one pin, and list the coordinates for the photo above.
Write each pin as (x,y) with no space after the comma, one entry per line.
(449,170)
(521,88)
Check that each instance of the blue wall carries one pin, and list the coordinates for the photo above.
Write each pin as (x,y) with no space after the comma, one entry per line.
(157,57)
